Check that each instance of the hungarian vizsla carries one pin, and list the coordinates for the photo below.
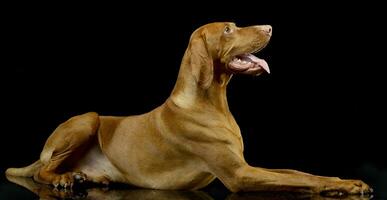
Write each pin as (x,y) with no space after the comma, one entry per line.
(185,143)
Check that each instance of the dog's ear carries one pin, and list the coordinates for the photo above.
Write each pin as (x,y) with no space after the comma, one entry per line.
(201,61)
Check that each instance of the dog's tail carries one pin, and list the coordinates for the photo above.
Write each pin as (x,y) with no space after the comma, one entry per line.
(28,171)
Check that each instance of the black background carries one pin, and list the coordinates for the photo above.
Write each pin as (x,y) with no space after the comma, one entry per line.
(321,110)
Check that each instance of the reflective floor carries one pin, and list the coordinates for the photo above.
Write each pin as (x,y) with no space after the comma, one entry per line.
(26,188)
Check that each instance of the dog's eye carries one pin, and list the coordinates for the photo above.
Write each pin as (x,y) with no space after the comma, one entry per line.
(227,30)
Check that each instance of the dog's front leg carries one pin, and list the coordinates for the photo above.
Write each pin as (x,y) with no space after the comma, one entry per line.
(230,167)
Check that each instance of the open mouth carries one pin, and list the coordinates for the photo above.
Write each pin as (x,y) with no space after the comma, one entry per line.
(248,64)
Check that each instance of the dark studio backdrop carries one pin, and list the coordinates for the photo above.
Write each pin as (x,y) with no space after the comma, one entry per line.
(321,110)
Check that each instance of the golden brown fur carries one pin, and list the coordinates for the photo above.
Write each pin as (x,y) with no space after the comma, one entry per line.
(186,142)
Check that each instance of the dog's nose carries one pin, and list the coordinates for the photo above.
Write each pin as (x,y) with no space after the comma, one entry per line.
(267,29)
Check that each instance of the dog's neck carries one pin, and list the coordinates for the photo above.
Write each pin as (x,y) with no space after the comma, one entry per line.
(188,94)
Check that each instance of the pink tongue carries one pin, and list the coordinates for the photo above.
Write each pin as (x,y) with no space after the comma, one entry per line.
(262,63)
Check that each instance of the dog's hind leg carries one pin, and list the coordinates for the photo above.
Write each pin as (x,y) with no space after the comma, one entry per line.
(62,149)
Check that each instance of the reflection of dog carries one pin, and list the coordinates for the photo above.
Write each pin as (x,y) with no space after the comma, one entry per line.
(46,192)
(187,141)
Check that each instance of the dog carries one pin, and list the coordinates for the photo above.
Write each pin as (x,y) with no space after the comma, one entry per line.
(185,143)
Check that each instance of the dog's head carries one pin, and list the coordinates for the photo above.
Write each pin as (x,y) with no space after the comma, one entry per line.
(228,49)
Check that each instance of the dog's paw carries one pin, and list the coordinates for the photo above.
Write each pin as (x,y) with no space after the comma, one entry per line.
(358,187)
(346,187)
(68,179)
(65,180)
